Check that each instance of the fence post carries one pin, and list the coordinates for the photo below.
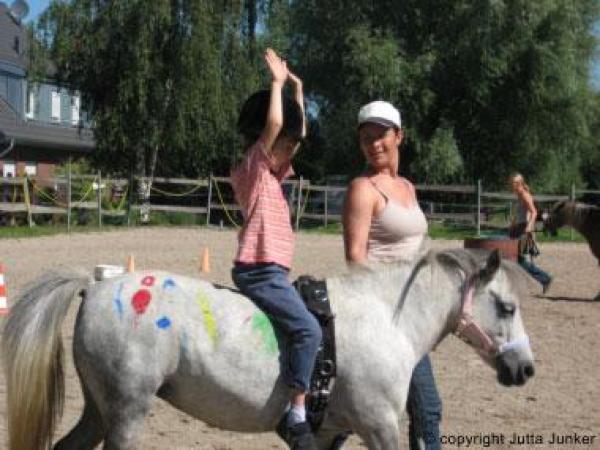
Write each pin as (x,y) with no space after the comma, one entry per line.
(27,200)
(100,199)
(326,210)
(130,184)
(69,195)
(572,198)
(209,202)
(299,204)
(478,218)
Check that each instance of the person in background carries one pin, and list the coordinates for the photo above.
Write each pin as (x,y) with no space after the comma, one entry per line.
(523,228)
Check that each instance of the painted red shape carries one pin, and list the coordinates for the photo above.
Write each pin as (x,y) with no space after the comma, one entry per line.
(148,281)
(141,300)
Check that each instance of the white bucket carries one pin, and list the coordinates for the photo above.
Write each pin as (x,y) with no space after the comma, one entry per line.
(104,271)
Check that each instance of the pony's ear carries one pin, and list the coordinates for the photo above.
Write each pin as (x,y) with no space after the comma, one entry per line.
(487,272)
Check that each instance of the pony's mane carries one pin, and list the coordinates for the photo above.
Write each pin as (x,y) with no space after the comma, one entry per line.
(372,276)
(463,262)
(582,210)
(577,212)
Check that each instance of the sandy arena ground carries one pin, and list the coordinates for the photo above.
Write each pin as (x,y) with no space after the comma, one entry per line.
(563,398)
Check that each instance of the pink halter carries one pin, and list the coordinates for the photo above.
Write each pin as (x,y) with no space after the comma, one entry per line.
(472,334)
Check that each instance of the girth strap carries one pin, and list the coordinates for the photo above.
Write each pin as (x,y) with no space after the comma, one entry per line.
(314,294)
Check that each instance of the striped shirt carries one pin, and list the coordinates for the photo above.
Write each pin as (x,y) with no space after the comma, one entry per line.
(266,236)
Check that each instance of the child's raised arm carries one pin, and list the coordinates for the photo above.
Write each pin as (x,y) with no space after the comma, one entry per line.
(299,96)
(274,122)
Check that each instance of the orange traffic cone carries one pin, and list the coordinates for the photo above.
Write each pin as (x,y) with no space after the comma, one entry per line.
(130,264)
(3,302)
(205,261)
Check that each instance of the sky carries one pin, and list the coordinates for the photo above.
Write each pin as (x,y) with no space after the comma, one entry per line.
(36,7)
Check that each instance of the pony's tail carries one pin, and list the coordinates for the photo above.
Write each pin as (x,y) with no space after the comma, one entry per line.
(33,359)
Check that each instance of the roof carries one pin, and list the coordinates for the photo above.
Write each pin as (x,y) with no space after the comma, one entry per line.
(13,39)
(13,46)
(43,135)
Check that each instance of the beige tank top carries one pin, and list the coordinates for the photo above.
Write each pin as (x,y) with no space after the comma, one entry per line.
(521,214)
(397,233)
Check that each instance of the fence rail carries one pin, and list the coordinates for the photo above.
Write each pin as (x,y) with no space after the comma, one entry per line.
(213,197)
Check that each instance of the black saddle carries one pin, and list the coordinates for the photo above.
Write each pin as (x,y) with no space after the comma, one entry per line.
(314,294)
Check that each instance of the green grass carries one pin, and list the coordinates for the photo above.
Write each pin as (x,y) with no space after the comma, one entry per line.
(436,230)
(50,230)
(456,232)
(24,232)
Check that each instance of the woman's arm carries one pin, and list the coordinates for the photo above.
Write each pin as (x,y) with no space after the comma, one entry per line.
(274,123)
(527,200)
(356,219)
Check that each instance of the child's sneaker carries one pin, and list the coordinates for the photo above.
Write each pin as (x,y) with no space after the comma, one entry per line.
(298,436)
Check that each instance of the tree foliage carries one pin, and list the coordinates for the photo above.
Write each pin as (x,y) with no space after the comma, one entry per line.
(507,79)
(484,88)
(163,79)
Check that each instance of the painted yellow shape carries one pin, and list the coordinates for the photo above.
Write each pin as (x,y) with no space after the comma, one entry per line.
(209,320)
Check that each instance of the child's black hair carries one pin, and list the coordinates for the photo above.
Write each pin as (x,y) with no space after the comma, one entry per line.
(253,117)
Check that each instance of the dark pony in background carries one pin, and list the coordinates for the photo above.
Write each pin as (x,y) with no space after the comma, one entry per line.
(583,218)
(580,216)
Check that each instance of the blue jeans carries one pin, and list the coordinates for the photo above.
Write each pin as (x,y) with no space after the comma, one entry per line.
(541,276)
(424,407)
(298,332)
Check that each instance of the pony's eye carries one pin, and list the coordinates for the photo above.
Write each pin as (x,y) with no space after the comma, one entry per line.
(504,309)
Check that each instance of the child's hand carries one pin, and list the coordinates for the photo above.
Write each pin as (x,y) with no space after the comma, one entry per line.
(277,66)
(297,82)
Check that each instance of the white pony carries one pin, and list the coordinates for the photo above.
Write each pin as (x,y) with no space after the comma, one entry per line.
(209,352)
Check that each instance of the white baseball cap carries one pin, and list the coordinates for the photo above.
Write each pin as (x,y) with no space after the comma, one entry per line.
(380,112)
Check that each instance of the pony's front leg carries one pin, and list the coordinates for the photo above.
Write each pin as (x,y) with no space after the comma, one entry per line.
(383,436)
(331,439)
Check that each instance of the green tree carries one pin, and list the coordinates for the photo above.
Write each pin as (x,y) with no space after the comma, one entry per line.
(507,79)
(163,80)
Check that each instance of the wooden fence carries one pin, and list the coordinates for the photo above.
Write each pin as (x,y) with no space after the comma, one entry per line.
(212,197)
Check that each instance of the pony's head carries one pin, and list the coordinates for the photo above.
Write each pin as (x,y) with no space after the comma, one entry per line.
(555,217)
(489,318)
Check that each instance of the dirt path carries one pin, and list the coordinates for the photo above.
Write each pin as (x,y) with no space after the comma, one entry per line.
(562,398)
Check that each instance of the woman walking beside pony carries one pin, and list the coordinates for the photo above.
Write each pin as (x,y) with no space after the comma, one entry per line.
(384,223)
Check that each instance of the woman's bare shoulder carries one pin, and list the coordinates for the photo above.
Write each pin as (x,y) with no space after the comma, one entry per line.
(360,189)
(360,183)
(407,182)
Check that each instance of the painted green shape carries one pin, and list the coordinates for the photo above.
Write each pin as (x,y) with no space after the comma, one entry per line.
(262,325)
(209,320)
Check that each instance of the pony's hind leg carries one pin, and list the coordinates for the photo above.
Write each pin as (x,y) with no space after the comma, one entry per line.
(88,432)
(124,427)
(126,418)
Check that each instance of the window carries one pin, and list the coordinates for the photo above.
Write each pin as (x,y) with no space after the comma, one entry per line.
(17,45)
(55,115)
(8,169)
(75,102)
(31,169)
(30,105)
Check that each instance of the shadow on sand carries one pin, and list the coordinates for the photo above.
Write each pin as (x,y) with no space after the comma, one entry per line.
(568,299)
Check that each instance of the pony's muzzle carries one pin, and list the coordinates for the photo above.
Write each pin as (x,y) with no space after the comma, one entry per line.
(512,369)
